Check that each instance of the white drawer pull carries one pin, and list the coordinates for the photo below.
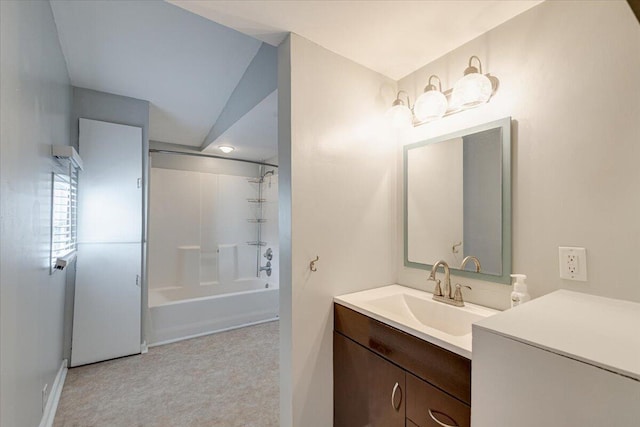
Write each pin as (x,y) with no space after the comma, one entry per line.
(439,422)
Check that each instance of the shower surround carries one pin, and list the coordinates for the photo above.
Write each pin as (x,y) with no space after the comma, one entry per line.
(202,253)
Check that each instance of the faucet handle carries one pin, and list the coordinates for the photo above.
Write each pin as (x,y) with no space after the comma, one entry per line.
(457,296)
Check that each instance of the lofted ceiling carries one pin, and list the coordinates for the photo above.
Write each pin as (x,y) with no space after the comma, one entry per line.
(255,134)
(394,37)
(188,67)
(184,64)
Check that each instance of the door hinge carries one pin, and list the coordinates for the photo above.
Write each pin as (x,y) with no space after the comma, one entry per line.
(139,182)
(138,280)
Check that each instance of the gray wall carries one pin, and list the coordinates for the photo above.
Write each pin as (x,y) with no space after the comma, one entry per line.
(107,107)
(35,111)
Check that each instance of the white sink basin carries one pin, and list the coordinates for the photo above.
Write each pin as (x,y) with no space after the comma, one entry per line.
(446,318)
(416,313)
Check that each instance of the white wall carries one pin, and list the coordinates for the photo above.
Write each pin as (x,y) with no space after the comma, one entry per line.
(338,174)
(35,112)
(568,76)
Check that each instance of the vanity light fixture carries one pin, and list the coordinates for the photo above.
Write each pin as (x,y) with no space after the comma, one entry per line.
(226,149)
(470,91)
(473,89)
(432,104)
(400,113)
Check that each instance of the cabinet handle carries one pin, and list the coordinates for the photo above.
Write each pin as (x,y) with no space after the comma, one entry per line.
(439,422)
(393,397)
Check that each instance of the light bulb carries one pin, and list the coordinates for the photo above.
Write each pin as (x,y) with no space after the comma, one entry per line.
(471,90)
(400,116)
(431,105)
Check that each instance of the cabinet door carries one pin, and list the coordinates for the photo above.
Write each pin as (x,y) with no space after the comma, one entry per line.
(368,390)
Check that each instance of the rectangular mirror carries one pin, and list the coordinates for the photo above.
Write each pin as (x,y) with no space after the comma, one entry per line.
(457,201)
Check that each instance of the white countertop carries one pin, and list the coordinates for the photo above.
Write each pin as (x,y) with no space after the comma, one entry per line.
(361,302)
(603,332)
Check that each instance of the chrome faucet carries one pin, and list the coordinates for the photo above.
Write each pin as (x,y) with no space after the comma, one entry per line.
(475,260)
(446,296)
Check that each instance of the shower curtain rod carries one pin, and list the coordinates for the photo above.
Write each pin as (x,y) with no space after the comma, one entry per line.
(211,156)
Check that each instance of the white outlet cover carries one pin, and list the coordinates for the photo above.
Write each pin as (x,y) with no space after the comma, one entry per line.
(573,263)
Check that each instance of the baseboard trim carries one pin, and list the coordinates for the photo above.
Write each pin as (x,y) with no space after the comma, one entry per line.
(49,413)
(188,337)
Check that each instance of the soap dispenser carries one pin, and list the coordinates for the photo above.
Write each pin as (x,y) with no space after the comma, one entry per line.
(520,295)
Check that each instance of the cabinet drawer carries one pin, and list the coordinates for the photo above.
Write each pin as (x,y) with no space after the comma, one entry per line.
(422,397)
(442,368)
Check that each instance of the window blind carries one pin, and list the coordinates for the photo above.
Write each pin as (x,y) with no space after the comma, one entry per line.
(64,214)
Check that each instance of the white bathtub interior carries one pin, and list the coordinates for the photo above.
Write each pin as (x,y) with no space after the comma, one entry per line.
(203,258)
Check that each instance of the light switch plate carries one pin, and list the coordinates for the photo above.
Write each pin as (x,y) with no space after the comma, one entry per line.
(573,263)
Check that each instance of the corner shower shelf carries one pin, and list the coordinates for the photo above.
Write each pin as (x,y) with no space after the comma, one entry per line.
(257,243)
(257,221)
(256,200)
(255,180)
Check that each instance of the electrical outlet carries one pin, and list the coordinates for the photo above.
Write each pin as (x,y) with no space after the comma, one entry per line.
(573,263)
(45,396)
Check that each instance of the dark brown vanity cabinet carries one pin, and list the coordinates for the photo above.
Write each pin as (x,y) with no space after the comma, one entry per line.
(385,377)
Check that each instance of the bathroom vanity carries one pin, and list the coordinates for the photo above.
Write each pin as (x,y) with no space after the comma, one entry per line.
(396,367)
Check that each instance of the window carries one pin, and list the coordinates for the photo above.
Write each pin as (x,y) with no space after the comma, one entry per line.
(64,193)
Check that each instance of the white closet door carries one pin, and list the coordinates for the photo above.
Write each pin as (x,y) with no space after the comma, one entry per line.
(106,317)
(109,191)
(107,305)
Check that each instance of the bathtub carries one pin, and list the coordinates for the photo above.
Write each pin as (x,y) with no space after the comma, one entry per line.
(178,313)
